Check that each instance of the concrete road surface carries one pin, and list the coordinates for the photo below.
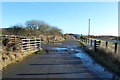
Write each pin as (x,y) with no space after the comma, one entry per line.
(56,62)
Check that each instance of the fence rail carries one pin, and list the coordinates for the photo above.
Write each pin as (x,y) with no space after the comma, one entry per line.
(31,44)
(96,44)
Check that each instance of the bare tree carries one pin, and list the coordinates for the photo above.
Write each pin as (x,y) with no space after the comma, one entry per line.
(33,24)
(33,28)
(55,30)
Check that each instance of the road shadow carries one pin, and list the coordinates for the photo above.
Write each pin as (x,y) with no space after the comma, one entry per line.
(57,64)
(83,72)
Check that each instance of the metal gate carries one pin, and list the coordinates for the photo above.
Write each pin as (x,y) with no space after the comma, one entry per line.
(31,44)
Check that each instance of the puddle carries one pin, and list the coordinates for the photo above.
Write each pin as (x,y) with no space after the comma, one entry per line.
(72,47)
(58,48)
(88,62)
(92,65)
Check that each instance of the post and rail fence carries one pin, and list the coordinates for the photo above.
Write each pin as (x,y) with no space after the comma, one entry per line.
(112,47)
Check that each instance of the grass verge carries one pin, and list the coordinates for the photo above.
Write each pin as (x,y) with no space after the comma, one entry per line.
(105,59)
(11,58)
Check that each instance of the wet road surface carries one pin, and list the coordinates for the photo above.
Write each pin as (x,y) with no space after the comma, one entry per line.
(58,61)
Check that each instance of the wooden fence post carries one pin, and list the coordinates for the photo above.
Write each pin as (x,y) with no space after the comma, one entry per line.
(81,40)
(106,43)
(94,46)
(88,41)
(115,48)
(84,40)
(91,42)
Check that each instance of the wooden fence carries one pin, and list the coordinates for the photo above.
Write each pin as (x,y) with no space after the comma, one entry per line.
(25,43)
(31,44)
(97,44)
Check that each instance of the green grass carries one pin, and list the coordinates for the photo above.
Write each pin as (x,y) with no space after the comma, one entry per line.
(119,45)
(97,40)
(44,42)
(51,41)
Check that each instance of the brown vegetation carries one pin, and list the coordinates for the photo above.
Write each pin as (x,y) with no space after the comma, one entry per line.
(32,28)
(11,39)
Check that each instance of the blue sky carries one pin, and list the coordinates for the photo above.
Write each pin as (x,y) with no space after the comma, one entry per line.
(71,17)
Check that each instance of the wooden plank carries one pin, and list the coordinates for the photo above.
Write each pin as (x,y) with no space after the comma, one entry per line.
(31,44)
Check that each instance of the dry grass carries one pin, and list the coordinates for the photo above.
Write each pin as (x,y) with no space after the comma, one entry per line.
(105,59)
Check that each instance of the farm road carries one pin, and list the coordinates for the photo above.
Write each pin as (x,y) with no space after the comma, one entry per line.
(56,62)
